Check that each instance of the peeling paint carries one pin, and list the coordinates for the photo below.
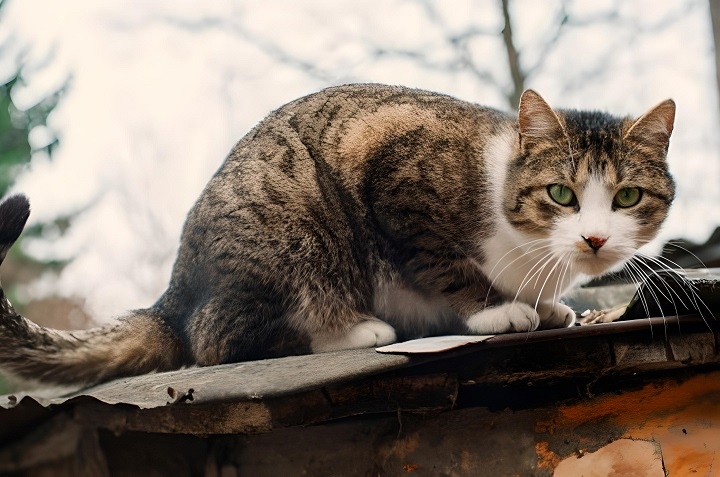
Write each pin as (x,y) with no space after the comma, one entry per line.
(622,458)
(682,419)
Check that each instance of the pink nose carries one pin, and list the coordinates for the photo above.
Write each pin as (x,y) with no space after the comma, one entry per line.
(595,242)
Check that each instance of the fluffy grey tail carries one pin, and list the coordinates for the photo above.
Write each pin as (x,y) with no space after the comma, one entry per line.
(138,344)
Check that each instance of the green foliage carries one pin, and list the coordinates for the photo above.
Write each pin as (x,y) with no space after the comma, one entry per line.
(15,127)
(15,154)
(14,146)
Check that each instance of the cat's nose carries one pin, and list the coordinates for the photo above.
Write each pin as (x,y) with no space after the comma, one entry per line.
(595,242)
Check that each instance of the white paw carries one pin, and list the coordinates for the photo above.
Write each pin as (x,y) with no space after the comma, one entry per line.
(556,315)
(505,318)
(366,334)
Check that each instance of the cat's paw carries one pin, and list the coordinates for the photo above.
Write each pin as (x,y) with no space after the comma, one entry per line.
(366,334)
(556,315)
(505,318)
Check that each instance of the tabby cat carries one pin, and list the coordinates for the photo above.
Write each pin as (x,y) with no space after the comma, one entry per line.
(365,214)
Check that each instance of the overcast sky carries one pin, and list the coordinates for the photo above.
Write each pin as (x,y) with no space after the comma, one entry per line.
(158,92)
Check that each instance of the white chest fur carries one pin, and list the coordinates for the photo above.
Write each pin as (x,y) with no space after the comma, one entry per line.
(519,267)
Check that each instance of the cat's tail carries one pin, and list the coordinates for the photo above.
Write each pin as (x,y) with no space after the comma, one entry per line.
(137,344)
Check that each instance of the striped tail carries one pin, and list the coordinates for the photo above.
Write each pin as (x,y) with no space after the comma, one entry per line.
(137,344)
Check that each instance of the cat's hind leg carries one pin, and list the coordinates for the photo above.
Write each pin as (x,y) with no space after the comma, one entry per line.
(368,333)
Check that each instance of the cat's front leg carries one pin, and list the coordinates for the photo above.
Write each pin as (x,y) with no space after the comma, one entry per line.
(555,315)
(505,318)
(518,316)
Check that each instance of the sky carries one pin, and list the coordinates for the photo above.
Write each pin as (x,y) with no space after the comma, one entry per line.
(156,94)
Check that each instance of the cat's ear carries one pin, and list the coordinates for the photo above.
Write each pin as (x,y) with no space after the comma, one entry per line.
(536,119)
(655,126)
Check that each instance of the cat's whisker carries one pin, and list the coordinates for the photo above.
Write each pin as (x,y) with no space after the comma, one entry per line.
(526,255)
(676,276)
(526,244)
(676,272)
(562,277)
(526,259)
(539,275)
(558,261)
(674,267)
(682,281)
(638,262)
(541,263)
(650,284)
(531,273)
(685,285)
(680,247)
(642,276)
(637,277)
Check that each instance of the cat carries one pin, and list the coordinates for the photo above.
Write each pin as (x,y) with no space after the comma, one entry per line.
(365,214)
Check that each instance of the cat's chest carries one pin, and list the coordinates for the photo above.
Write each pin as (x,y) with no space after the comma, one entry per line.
(530,272)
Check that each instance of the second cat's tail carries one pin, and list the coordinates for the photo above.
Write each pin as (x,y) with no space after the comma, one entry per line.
(139,343)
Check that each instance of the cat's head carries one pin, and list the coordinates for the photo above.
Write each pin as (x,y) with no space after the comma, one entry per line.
(596,186)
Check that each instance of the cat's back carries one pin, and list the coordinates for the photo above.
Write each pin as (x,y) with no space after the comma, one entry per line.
(348,123)
(326,155)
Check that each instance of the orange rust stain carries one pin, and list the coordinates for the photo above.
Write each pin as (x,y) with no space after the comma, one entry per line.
(697,453)
(653,400)
(410,467)
(683,418)
(400,448)
(547,459)
(547,427)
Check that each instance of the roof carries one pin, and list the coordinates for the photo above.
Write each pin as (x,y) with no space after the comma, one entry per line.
(254,396)
(244,397)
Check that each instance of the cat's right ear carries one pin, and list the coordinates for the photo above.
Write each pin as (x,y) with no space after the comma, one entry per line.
(655,126)
(536,119)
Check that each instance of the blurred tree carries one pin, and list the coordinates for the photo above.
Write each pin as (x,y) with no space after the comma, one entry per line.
(15,127)
(16,150)
(715,19)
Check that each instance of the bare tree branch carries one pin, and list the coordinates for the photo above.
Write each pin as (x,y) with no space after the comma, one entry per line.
(715,18)
(268,47)
(460,44)
(516,72)
(462,60)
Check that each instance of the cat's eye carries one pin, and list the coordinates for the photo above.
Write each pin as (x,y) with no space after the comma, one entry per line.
(627,197)
(561,194)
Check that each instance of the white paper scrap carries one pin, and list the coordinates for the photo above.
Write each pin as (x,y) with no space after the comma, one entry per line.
(434,344)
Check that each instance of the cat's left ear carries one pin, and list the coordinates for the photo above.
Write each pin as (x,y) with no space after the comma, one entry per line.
(655,126)
(537,120)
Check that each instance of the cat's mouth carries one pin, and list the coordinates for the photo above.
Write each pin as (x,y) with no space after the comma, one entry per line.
(597,262)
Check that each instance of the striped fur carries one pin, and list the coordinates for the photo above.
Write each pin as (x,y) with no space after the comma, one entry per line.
(363,214)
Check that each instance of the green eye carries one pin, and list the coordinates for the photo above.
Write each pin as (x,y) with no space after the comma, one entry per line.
(627,197)
(561,194)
